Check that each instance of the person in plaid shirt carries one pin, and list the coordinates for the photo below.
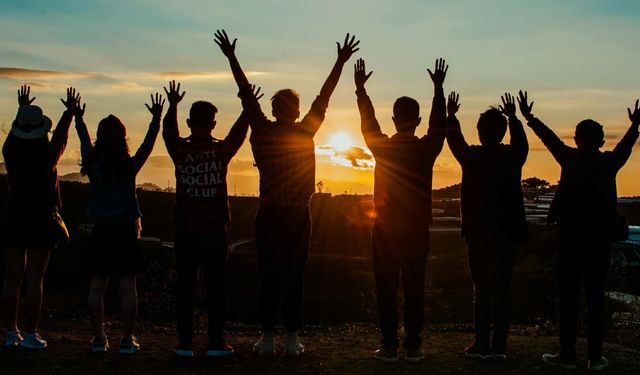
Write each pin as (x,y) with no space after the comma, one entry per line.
(284,154)
(201,213)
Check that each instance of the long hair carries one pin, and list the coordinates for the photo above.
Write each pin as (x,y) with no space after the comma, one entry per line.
(109,157)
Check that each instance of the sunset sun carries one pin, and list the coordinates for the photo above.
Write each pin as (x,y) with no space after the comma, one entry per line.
(340,141)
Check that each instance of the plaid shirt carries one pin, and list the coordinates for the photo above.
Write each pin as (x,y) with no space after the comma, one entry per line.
(284,153)
(201,175)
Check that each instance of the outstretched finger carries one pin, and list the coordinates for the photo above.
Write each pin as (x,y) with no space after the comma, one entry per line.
(147,105)
(430,72)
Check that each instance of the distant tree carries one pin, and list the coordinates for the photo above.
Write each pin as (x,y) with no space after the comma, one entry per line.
(320,186)
(149,186)
(535,183)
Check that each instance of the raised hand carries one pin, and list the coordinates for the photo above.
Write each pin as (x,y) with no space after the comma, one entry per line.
(441,72)
(23,96)
(222,40)
(348,48)
(73,99)
(156,105)
(78,110)
(256,92)
(453,105)
(173,95)
(508,107)
(635,115)
(360,75)
(525,108)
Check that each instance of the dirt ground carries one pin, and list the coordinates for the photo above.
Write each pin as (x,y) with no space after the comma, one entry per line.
(341,349)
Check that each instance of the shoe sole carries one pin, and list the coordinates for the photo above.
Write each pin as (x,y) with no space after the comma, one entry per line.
(479,356)
(388,359)
(264,353)
(500,357)
(184,353)
(26,346)
(414,359)
(294,354)
(561,365)
(128,351)
(102,349)
(219,353)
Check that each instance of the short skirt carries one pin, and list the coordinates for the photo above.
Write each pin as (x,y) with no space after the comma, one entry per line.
(115,249)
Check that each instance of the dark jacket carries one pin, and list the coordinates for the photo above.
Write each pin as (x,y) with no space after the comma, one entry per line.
(491,202)
(586,198)
(404,164)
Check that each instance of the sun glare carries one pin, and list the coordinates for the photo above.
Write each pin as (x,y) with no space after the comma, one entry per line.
(340,141)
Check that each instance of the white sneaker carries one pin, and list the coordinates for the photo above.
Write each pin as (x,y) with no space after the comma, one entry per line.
(293,347)
(12,339)
(264,346)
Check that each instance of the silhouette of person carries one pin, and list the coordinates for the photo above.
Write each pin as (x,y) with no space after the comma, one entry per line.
(114,244)
(402,200)
(284,154)
(493,218)
(584,207)
(201,214)
(31,222)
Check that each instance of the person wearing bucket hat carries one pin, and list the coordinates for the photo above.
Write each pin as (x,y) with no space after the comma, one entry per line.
(31,225)
(114,245)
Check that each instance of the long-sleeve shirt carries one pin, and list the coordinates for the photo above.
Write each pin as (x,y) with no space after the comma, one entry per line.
(284,153)
(404,163)
(113,201)
(31,169)
(492,206)
(586,198)
(201,174)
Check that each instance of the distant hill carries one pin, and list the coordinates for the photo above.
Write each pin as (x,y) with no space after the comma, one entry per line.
(449,192)
(74,177)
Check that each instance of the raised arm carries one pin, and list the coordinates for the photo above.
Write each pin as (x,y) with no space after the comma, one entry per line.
(457,144)
(551,141)
(438,118)
(313,119)
(170,131)
(146,147)
(81,128)
(518,138)
(61,133)
(369,125)
(238,132)
(23,96)
(250,104)
(622,151)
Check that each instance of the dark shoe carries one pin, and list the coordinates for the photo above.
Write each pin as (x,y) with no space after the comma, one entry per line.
(184,350)
(477,351)
(223,350)
(414,355)
(558,361)
(499,352)
(386,355)
(99,344)
(597,364)
(129,346)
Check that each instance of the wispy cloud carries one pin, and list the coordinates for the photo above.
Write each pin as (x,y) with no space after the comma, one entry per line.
(195,75)
(22,73)
(354,157)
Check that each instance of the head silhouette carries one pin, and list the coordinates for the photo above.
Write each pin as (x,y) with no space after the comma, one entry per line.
(406,114)
(492,126)
(110,150)
(285,105)
(202,118)
(589,134)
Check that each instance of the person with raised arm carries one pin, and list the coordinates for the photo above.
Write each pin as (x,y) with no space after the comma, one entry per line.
(493,217)
(201,214)
(402,200)
(584,208)
(31,222)
(284,153)
(114,244)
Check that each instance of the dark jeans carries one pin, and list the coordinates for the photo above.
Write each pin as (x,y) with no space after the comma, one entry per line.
(582,257)
(282,244)
(211,250)
(491,264)
(400,253)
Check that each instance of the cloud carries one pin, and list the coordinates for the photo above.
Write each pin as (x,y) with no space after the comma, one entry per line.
(355,157)
(183,75)
(132,86)
(22,73)
(159,161)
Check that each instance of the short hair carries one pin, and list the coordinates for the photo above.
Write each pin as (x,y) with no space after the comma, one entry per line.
(406,107)
(492,126)
(589,131)
(285,101)
(201,109)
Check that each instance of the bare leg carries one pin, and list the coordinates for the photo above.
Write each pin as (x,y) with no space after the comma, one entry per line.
(37,262)
(14,264)
(129,304)
(96,304)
